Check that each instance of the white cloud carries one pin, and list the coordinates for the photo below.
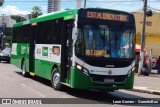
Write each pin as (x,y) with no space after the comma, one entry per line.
(43,8)
(12,10)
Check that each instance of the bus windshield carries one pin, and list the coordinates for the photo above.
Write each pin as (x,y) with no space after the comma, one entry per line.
(108,41)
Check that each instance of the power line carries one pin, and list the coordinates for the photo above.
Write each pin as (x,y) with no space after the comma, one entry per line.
(87,1)
(120,5)
(69,1)
(153,8)
(116,4)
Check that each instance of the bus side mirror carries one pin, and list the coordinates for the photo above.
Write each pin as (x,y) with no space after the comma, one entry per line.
(74,33)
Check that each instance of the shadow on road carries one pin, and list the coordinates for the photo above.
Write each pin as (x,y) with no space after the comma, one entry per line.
(96,97)
(36,78)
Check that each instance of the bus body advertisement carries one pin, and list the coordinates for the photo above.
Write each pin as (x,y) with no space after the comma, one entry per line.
(83,48)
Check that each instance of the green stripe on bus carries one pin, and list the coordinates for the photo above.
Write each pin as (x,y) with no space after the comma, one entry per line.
(68,17)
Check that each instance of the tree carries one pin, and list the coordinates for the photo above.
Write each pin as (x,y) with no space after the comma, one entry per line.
(1,2)
(18,18)
(36,11)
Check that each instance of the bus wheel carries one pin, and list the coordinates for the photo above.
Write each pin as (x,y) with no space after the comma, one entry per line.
(24,69)
(55,80)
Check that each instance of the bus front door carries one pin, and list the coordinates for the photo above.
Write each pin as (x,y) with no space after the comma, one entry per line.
(66,52)
(31,49)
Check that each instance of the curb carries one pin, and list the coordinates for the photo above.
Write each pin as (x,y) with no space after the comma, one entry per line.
(151,75)
(154,75)
(145,90)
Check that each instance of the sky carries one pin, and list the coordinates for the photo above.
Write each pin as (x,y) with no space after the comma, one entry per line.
(15,7)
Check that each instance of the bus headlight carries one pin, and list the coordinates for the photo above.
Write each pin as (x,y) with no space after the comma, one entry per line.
(79,67)
(84,70)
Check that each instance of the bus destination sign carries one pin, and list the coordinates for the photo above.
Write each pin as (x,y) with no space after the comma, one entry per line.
(107,16)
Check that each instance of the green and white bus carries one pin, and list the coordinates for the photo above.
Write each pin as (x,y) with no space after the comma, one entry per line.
(88,48)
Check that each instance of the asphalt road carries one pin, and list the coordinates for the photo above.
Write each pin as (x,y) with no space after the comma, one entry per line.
(13,85)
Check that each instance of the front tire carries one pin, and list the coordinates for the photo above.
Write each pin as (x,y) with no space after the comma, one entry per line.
(55,80)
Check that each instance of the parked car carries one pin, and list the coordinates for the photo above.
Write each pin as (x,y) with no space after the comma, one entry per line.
(154,60)
(5,54)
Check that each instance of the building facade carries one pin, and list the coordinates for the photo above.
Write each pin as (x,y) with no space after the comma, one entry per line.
(152,40)
(6,24)
(78,5)
(6,21)
(54,5)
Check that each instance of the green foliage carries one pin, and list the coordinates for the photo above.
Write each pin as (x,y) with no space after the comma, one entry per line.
(36,11)
(1,2)
(18,18)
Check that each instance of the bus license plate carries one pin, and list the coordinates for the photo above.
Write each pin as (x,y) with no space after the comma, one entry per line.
(108,80)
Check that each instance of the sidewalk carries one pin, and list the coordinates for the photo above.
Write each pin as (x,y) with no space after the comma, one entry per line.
(148,84)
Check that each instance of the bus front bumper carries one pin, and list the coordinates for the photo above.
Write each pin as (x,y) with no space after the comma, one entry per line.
(82,81)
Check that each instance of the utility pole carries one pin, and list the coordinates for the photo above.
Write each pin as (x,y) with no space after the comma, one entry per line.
(143,37)
(84,3)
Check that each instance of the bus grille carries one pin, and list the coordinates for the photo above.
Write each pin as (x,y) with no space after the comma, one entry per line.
(101,78)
